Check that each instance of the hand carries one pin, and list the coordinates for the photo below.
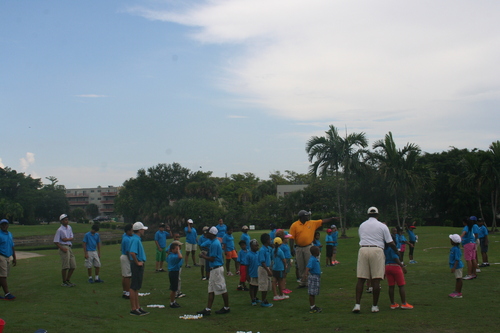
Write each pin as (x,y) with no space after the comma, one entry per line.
(14,262)
(140,263)
(404,269)
(453,270)
(86,255)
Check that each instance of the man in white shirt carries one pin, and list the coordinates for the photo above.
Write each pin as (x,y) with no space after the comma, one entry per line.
(373,235)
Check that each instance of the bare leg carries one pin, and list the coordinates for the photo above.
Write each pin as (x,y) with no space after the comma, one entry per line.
(359,289)
(376,290)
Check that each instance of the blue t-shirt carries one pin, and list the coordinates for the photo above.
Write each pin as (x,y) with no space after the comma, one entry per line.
(265,255)
(191,236)
(137,248)
(455,254)
(202,240)
(411,235)
(272,234)
(252,261)
(161,238)
(286,250)
(125,243)
(313,266)
(91,241)
(390,256)
(242,255)
(469,236)
(397,240)
(317,243)
(174,262)
(228,240)
(222,230)
(483,231)
(215,250)
(278,260)
(6,243)
(246,238)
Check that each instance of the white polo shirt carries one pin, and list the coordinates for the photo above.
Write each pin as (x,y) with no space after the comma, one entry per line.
(374,233)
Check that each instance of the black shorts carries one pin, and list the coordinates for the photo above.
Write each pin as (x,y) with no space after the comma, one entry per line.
(137,274)
(278,274)
(173,276)
(329,251)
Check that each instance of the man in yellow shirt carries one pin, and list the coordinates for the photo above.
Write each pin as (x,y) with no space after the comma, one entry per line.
(302,232)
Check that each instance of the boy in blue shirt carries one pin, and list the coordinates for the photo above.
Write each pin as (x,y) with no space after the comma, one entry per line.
(205,270)
(191,242)
(483,242)
(244,236)
(92,251)
(137,257)
(252,263)
(456,264)
(243,268)
(229,251)
(6,251)
(161,245)
(174,261)
(279,264)
(125,261)
(313,274)
(264,270)
(394,272)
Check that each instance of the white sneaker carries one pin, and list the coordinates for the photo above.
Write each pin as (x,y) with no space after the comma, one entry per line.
(478,270)
(285,296)
(278,298)
(467,277)
(375,308)
(357,308)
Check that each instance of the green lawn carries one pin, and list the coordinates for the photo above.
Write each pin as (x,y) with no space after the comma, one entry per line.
(42,303)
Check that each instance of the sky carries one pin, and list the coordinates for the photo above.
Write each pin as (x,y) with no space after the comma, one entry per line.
(92,91)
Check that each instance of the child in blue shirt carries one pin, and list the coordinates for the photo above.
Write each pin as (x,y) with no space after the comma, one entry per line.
(394,272)
(161,245)
(316,241)
(279,264)
(252,263)
(313,274)
(412,238)
(288,256)
(92,252)
(456,264)
(174,261)
(243,268)
(265,273)
(483,242)
(229,251)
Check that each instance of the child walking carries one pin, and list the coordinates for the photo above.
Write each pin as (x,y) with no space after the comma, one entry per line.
(279,264)
(456,264)
(313,274)
(394,271)
(174,260)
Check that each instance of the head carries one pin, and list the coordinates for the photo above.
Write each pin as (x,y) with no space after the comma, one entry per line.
(128,229)
(314,251)
(265,239)
(4,224)
(190,222)
(317,235)
(280,233)
(244,229)
(372,212)
(329,231)
(176,236)
(95,228)
(243,245)
(174,248)
(221,221)
(139,228)
(212,233)
(64,219)
(254,245)
(480,222)
(400,230)
(333,227)
(304,216)
(272,226)
(455,239)
(229,230)
(394,231)
(277,242)
(205,230)
(161,227)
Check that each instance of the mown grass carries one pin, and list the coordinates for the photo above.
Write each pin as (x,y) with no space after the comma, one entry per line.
(42,303)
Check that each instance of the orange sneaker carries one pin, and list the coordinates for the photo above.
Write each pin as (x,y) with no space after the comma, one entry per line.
(394,306)
(406,306)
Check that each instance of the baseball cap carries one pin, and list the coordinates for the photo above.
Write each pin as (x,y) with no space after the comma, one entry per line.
(139,226)
(372,210)
(205,228)
(278,240)
(213,231)
(328,230)
(455,238)
(62,217)
(244,227)
(333,226)
(413,227)
(4,221)
(177,242)
(473,218)
(190,221)
(304,213)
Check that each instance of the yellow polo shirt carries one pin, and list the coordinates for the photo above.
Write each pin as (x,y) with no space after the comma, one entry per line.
(303,234)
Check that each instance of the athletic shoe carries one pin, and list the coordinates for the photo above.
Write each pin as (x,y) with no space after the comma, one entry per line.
(302,286)
(196,265)
(245,289)
(237,272)
(483,265)
(99,281)
(278,298)
(70,284)
(135,313)
(413,262)
(229,274)
(161,270)
(205,312)
(254,303)
(187,266)
(64,284)
(299,280)
(125,296)
(223,311)
(467,277)
(335,262)
(204,278)
(142,312)
(457,295)
(369,290)
(375,308)
(406,306)
(452,295)
(239,288)
(478,270)
(91,280)
(394,306)
(175,305)
(315,310)
(266,304)
(180,295)
(287,291)
(285,296)
(474,276)
(357,308)
(9,297)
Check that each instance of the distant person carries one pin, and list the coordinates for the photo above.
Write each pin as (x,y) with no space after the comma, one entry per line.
(230,252)
(456,265)
(252,264)
(331,246)
(302,232)
(272,233)
(394,272)
(125,261)
(204,269)
(62,239)
(161,246)
(191,242)
(317,241)
(483,242)
(244,236)
(92,252)
(137,257)
(174,260)
(288,256)
(242,254)
(279,264)
(412,238)
(374,236)
(312,275)
(264,270)
(221,230)
(6,252)
(469,235)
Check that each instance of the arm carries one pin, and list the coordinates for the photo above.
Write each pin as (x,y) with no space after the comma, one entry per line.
(86,255)
(134,257)
(396,259)
(14,260)
(99,249)
(306,273)
(269,273)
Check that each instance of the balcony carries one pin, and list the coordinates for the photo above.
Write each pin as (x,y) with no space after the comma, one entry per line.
(78,203)
(77,195)
(109,202)
(107,210)
(109,194)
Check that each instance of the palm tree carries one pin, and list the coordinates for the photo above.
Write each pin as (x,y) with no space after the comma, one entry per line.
(491,169)
(400,168)
(335,154)
(473,175)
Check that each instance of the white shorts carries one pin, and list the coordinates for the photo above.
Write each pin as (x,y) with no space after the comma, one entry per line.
(92,260)
(217,282)
(125,264)
(371,263)
(190,247)
(4,266)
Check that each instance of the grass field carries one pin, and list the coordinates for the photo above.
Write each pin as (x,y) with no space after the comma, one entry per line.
(42,303)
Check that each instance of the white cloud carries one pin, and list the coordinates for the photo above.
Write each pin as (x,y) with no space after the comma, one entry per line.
(1,164)
(26,161)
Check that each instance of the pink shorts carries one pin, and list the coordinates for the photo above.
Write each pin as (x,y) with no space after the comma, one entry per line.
(470,251)
(394,275)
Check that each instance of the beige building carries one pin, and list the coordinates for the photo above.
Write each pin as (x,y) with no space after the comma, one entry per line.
(103,197)
(283,190)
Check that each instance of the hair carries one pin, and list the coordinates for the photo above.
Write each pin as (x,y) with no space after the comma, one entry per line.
(280,233)
(316,233)
(127,227)
(276,248)
(314,251)
(241,242)
(265,238)
(173,246)
(95,227)
(470,225)
(254,242)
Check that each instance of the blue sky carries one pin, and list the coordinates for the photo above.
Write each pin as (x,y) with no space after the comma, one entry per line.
(92,91)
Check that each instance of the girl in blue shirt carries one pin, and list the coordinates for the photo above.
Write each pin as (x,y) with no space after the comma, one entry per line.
(279,264)
(174,260)
(456,265)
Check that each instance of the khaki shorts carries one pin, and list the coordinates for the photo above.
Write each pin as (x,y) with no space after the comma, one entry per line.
(4,266)
(254,281)
(92,260)
(217,282)
(371,263)
(191,247)
(125,264)
(67,258)
(458,273)
(265,283)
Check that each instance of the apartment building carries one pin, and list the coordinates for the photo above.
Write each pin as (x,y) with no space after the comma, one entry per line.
(103,197)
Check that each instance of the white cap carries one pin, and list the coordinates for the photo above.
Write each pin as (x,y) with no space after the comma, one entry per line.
(139,226)
(372,210)
(455,238)
(62,217)
(190,221)
(213,231)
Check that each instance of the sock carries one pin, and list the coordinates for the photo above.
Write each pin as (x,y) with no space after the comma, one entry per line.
(208,309)
(313,306)
(97,277)
(226,308)
(90,277)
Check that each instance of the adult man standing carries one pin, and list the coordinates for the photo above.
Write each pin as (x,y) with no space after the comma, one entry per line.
(191,242)
(6,251)
(221,230)
(373,236)
(62,239)
(216,281)
(302,232)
